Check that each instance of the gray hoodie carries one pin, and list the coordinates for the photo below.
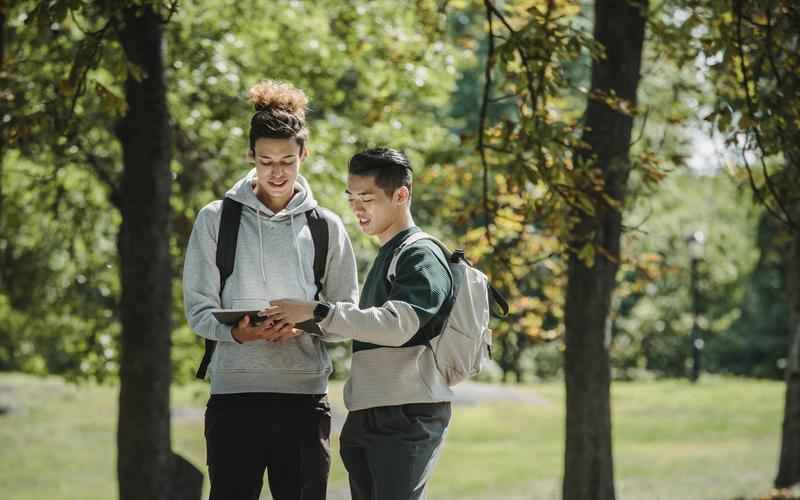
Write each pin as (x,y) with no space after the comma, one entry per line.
(274,259)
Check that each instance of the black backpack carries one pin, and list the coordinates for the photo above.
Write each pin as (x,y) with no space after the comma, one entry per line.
(226,256)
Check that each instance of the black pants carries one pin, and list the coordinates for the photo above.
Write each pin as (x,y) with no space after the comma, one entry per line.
(286,434)
(390,451)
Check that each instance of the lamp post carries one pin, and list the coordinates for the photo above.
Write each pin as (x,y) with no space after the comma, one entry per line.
(695,242)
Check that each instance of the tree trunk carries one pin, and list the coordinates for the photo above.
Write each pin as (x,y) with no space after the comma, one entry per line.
(789,464)
(507,359)
(2,106)
(588,464)
(146,466)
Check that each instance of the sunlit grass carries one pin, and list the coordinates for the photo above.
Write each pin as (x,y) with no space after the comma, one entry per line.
(672,440)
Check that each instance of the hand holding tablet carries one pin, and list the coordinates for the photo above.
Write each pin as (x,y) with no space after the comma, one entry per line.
(233,316)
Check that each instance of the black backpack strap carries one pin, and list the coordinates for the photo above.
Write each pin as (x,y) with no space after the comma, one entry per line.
(319,233)
(227,238)
(226,257)
(497,299)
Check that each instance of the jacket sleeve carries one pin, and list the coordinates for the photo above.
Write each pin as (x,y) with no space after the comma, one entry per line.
(340,283)
(420,289)
(201,281)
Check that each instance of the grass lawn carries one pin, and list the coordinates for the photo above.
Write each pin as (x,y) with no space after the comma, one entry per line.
(718,439)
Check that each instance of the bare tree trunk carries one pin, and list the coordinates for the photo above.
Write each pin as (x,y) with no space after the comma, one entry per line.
(2,107)
(588,465)
(146,466)
(789,464)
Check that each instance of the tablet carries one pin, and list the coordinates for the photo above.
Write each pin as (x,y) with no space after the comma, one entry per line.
(233,316)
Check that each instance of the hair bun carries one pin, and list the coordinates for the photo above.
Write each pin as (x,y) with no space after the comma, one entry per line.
(274,94)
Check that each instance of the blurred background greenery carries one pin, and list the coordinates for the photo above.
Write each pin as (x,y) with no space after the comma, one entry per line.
(377,73)
(704,264)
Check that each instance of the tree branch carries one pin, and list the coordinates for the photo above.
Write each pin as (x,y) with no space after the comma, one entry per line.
(503,98)
(751,111)
(173,8)
(487,89)
(757,192)
(493,10)
(641,129)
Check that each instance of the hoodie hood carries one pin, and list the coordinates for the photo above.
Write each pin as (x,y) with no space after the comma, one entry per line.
(302,201)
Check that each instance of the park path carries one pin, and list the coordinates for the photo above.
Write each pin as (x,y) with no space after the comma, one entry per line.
(468,394)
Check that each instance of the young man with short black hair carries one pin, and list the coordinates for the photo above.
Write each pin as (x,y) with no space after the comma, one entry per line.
(399,402)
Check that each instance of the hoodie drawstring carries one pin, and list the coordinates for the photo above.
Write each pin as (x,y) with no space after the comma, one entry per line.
(260,245)
(261,248)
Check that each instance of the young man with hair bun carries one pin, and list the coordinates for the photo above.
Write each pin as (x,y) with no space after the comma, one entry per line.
(268,408)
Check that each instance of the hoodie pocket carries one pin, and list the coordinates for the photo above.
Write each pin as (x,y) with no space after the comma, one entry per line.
(300,354)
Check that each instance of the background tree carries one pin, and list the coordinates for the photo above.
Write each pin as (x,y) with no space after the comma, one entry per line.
(753,52)
(4,99)
(588,471)
(147,467)
(571,174)
(58,255)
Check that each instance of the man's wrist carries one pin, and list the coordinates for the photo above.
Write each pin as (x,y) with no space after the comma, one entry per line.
(234,334)
(321,311)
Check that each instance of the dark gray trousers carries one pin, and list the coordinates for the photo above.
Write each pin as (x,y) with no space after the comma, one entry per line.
(390,451)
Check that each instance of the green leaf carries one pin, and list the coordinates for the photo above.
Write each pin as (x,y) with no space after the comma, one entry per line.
(111,101)
(586,254)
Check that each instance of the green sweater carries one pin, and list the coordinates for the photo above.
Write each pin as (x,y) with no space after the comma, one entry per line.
(421,281)
(391,363)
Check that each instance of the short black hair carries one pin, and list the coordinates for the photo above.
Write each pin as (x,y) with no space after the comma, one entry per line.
(390,168)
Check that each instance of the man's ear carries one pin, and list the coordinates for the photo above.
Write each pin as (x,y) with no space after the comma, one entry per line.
(401,195)
(304,154)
